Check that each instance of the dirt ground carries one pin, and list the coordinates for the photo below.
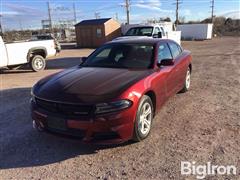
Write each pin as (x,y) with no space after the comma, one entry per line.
(201,125)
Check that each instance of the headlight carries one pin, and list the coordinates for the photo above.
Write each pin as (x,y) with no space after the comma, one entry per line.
(112,106)
(32,96)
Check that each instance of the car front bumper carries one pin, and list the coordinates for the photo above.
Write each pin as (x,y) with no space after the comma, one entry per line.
(112,128)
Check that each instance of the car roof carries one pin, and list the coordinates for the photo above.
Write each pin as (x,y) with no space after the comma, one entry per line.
(146,40)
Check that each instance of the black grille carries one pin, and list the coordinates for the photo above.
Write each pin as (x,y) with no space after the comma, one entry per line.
(66,109)
(105,136)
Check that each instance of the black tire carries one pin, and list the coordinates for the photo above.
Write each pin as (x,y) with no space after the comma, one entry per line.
(37,63)
(137,134)
(186,86)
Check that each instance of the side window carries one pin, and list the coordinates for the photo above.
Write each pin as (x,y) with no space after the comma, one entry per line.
(156,30)
(180,49)
(174,49)
(163,32)
(118,56)
(104,54)
(164,52)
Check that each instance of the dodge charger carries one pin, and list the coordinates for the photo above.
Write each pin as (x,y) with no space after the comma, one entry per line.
(113,95)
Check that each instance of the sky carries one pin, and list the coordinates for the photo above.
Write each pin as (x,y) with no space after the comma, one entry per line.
(27,14)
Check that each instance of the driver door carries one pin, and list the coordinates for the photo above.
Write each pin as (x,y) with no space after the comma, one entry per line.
(169,72)
(3,54)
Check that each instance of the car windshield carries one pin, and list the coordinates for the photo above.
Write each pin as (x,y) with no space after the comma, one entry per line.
(140,31)
(119,55)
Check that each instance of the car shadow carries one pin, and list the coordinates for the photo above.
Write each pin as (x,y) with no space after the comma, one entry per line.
(57,63)
(63,63)
(22,146)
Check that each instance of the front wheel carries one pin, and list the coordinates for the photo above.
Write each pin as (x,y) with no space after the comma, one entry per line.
(187,81)
(143,122)
(37,63)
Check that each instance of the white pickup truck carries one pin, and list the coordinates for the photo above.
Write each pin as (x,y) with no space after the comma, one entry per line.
(150,30)
(34,53)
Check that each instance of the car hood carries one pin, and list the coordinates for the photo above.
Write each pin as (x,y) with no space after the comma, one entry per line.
(87,84)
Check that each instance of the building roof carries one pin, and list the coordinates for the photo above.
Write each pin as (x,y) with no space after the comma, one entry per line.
(93,21)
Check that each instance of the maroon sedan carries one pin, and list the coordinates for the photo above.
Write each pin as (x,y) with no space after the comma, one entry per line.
(113,95)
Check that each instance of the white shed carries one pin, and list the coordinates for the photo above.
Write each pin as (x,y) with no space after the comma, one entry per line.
(196,31)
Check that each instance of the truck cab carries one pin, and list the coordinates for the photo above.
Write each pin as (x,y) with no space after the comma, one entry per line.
(161,30)
(150,31)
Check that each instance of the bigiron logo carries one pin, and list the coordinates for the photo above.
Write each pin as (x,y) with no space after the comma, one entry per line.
(201,171)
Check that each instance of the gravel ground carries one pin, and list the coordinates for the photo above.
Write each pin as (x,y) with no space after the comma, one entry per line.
(201,125)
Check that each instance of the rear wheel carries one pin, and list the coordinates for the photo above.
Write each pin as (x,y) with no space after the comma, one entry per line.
(37,63)
(143,122)
(187,81)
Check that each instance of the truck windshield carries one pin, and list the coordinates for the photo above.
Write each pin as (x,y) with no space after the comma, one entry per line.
(121,55)
(140,31)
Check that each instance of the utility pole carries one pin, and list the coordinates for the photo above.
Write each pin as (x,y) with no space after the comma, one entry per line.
(127,5)
(97,15)
(212,7)
(20,24)
(74,13)
(177,6)
(116,16)
(1,30)
(177,9)
(49,17)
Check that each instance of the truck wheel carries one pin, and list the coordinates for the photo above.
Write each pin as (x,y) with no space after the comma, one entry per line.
(143,122)
(37,63)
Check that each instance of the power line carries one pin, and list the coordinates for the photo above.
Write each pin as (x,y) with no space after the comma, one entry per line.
(212,10)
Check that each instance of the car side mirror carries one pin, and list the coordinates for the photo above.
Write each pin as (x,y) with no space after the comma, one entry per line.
(83,60)
(166,62)
(159,34)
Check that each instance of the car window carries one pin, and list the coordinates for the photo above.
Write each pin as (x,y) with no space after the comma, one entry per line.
(163,32)
(140,31)
(122,56)
(180,49)
(156,30)
(164,52)
(174,49)
(103,55)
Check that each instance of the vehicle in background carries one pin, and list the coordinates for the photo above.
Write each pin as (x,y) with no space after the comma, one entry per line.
(160,30)
(113,95)
(47,37)
(34,53)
